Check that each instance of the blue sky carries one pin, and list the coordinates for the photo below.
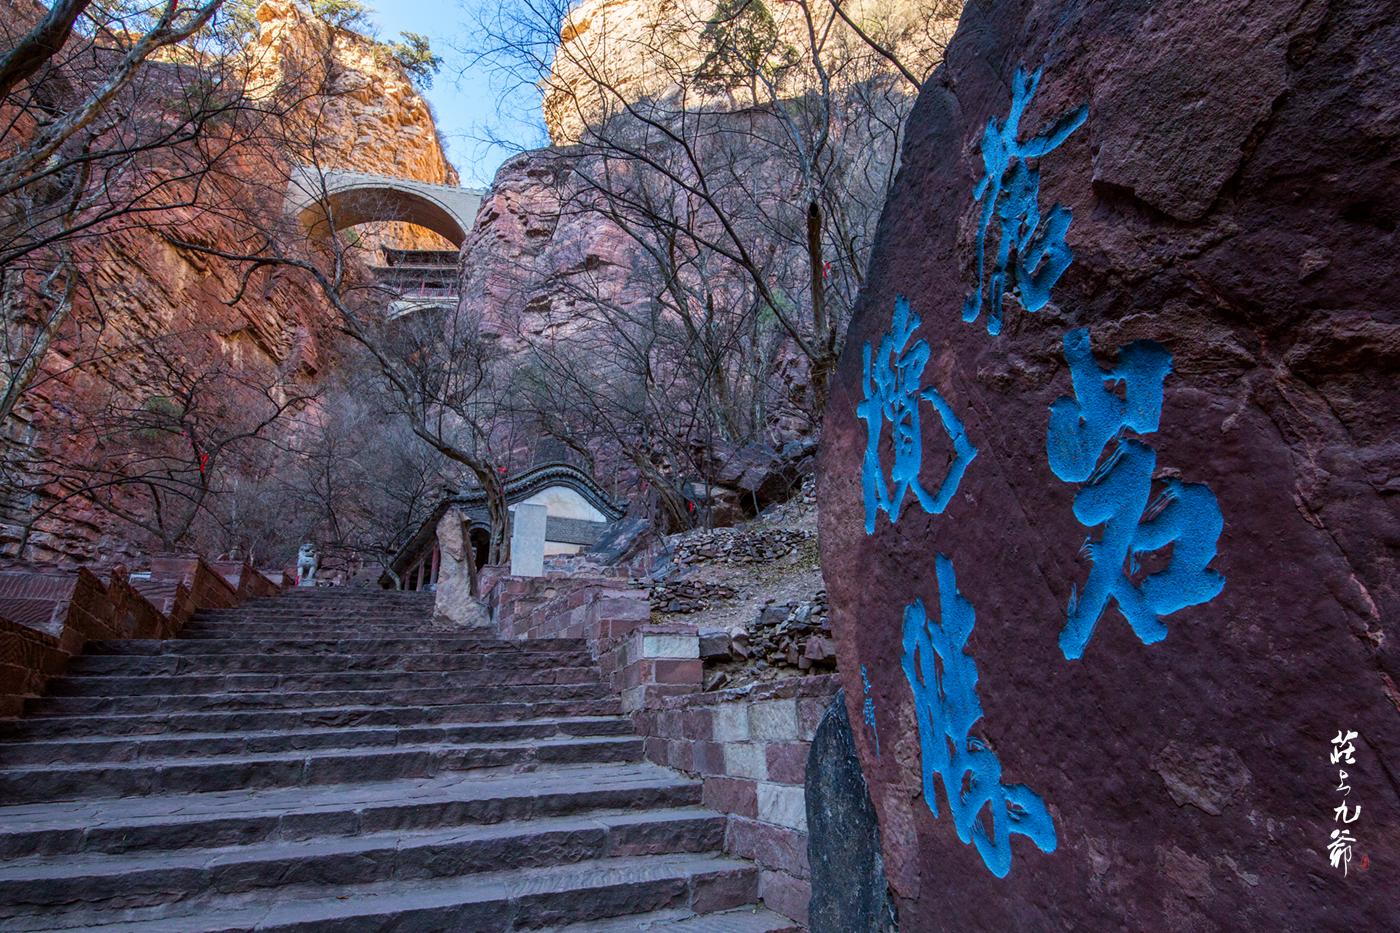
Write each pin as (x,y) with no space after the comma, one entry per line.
(466,103)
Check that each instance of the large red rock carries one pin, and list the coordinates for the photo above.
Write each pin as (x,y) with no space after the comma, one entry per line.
(1234,187)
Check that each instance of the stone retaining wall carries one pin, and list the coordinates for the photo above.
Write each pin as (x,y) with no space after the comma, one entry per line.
(46,616)
(748,745)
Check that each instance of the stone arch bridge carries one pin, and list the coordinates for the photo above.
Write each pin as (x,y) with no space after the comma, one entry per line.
(344,199)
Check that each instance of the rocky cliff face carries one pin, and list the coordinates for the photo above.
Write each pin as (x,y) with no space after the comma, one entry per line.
(365,116)
(152,329)
(530,266)
(1137,610)
(152,332)
(616,52)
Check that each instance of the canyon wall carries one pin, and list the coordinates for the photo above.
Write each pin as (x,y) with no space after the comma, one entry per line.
(614,53)
(362,114)
(1108,479)
(155,332)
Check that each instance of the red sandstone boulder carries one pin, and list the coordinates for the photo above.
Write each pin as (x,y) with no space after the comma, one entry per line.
(1131,568)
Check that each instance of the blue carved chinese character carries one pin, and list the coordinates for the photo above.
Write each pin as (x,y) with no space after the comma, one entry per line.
(1118,496)
(1031,251)
(943,678)
(892,382)
(1081,427)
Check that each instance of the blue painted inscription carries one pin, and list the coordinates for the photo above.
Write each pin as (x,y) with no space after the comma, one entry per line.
(868,709)
(1118,496)
(943,678)
(1032,251)
(893,390)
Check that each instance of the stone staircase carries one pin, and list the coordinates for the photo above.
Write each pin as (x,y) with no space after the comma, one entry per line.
(328,760)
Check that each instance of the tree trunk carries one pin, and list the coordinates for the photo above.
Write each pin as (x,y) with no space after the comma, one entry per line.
(499,514)
(823,364)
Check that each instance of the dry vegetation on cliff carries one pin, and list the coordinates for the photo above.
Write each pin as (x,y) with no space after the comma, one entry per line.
(150,373)
(666,295)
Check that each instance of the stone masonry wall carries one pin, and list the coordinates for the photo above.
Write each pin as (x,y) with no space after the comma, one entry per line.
(46,617)
(749,746)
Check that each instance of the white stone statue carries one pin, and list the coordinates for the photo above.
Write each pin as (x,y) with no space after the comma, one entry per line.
(308,561)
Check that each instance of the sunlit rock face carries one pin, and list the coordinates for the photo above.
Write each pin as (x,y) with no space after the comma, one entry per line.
(152,331)
(365,114)
(617,53)
(532,266)
(1108,518)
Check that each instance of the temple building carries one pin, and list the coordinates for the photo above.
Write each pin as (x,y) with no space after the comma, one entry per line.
(578,513)
(419,279)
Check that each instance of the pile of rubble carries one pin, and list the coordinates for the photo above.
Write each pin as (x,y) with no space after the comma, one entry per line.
(785,638)
(685,596)
(736,546)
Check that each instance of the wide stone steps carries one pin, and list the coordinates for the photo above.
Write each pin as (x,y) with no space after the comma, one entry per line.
(738,920)
(293,769)
(111,749)
(405,643)
(155,877)
(514,899)
(196,663)
(173,684)
(35,726)
(88,703)
(309,699)
(324,762)
(246,816)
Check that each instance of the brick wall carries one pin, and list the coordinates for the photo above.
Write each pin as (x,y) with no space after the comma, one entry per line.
(749,746)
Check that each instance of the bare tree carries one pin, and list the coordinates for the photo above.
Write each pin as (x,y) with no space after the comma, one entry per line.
(351,476)
(108,113)
(770,147)
(158,459)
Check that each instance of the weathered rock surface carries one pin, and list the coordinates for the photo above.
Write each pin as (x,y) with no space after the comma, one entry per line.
(1235,202)
(849,891)
(617,52)
(531,267)
(143,292)
(365,114)
(146,293)
(453,602)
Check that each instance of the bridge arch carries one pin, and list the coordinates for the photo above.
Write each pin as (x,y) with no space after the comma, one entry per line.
(322,199)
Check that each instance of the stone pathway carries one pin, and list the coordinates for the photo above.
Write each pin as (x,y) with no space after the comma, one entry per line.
(326,760)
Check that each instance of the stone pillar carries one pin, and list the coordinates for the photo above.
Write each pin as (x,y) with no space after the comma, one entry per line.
(527,541)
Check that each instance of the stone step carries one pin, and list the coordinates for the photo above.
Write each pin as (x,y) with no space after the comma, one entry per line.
(330,617)
(29,886)
(302,607)
(320,630)
(483,903)
(174,664)
(283,699)
(431,644)
(265,720)
(167,685)
(738,920)
(244,817)
(127,749)
(28,784)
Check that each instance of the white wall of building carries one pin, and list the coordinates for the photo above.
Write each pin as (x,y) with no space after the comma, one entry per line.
(563,502)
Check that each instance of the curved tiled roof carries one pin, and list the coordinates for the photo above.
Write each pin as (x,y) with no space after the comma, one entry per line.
(519,487)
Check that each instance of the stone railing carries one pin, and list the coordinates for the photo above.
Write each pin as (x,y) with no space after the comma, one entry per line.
(749,745)
(46,616)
